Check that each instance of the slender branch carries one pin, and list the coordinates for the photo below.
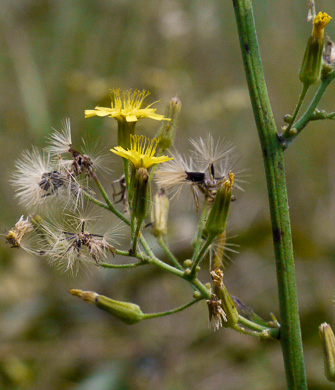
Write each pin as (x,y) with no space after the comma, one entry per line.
(309,113)
(274,332)
(168,253)
(305,88)
(261,334)
(201,254)
(108,201)
(200,229)
(168,312)
(96,201)
(130,265)
(321,115)
(275,174)
(136,235)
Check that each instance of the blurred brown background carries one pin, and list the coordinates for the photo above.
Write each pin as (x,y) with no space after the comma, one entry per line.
(61,57)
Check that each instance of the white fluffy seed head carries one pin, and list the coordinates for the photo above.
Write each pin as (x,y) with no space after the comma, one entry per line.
(75,241)
(100,160)
(26,179)
(60,141)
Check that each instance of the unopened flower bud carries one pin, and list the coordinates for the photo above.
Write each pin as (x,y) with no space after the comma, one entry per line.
(159,214)
(288,118)
(141,199)
(311,65)
(217,218)
(127,312)
(167,131)
(328,346)
(187,263)
(227,303)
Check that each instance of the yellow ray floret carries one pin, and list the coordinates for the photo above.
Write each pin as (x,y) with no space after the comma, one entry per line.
(141,152)
(320,22)
(127,107)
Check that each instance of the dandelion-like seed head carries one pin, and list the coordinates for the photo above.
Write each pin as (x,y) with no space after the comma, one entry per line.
(35,178)
(203,173)
(60,142)
(73,243)
(127,107)
(141,152)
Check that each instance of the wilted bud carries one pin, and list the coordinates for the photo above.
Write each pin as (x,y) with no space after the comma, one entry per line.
(167,131)
(217,316)
(328,346)
(217,218)
(127,312)
(311,65)
(227,303)
(15,235)
(159,214)
(141,199)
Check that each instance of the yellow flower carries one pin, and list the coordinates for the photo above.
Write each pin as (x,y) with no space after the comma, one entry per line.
(141,152)
(127,108)
(320,22)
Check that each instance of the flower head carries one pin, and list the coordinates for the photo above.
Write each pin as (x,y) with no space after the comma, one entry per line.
(127,108)
(141,152)
(320,22)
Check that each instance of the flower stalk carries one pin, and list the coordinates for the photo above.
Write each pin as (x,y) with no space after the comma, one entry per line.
(277,193)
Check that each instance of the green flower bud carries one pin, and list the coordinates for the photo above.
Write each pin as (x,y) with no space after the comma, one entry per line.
(127,312)
(187,263)
(311,65)
(167,131)
(288,118)
(159,214)
(328,346)
(141,199)
(227,303)
(217,218)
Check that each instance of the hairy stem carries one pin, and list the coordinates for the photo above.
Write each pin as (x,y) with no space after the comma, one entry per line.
(272,151)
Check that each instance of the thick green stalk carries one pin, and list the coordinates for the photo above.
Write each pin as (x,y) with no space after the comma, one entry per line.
(275,174)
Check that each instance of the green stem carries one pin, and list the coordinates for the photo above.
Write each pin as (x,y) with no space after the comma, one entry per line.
(305,88)
(275,174)
(308,115)
(107,200)
(200,255)
(136,235)
(130,265)
(201,226)
(274,332)
(166,313)
(254,333)
(168,253)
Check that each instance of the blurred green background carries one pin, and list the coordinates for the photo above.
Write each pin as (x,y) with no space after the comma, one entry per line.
(58,58)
